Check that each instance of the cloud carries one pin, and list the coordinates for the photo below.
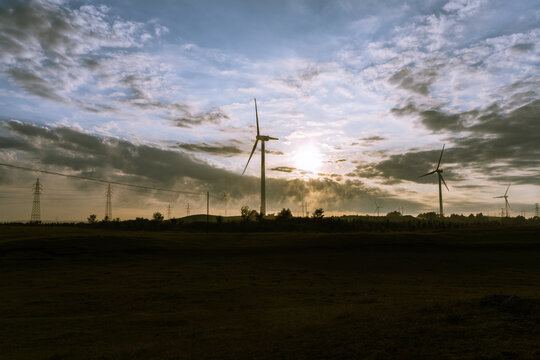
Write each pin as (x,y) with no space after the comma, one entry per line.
(189,120)
(274,152)
(34,84)
(435,119)
(499,144)
(89,58)
(46,45)
(71,151)
(417,81)
(286,169)
(213,149)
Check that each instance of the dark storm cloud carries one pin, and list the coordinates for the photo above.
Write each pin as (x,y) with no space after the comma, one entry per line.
(498,142)
(71,151)
(13,143)
(213,148)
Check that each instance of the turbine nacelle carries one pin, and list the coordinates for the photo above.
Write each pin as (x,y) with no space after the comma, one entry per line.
(265,138)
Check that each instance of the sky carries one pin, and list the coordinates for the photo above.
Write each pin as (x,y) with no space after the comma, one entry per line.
(361,94)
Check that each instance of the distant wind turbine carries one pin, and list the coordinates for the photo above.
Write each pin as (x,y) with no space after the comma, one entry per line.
(439,171)
(262,138)
(505,197)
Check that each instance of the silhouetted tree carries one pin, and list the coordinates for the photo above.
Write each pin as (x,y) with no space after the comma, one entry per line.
(92,219)
(247,213)
(318,213)
(284,214)
(428,216)
(157,217)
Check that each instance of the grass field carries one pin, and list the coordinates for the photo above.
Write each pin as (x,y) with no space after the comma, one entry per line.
(81,293)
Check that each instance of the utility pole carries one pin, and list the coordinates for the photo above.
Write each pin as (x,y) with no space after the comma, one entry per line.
(187,209)
(536,209)
(207,209)
(108,204)
(226,198)
(35,217)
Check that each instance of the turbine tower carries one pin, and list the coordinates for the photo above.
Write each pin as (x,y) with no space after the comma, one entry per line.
(263,139)
(505,197)
(439,172)
(35,217)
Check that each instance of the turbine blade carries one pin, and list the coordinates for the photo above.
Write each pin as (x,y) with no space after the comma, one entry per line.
(250,155)
(507,189)
(272,138)
(498,197)
(507,203)
(429,173)
(440,158)
(444,182)
(257,117)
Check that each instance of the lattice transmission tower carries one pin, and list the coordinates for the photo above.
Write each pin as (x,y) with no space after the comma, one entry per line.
(36,208)
(108,204)
(169,212)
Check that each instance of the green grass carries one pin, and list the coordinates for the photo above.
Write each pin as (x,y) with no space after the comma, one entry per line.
(81,293)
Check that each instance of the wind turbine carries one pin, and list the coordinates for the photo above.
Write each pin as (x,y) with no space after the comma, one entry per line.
(439,171)
(262,138)
(505,197)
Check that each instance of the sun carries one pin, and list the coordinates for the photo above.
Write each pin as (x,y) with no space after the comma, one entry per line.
(308,158)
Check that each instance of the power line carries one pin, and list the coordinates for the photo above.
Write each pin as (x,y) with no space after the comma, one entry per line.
(101,180)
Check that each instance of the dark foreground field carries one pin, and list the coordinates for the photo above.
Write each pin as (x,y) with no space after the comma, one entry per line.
(76,293)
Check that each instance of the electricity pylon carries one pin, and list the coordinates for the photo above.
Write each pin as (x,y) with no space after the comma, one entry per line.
(108,204)
(36,211)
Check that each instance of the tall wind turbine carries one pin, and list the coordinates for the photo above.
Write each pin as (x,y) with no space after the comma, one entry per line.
(439,171)
(505,197)
(263,139)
